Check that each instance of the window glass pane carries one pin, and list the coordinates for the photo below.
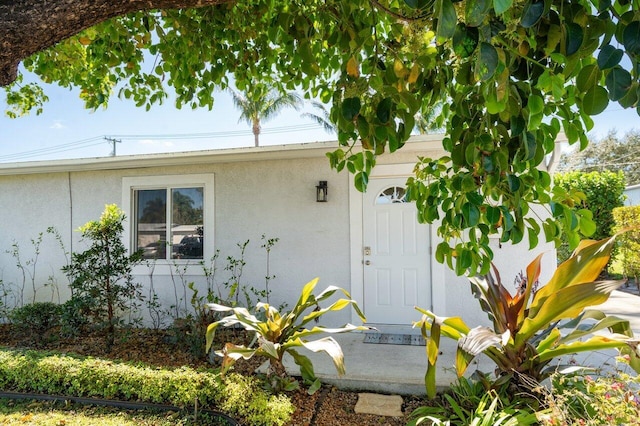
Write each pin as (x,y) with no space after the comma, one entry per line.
(151,224)
(392,195)
(187,227)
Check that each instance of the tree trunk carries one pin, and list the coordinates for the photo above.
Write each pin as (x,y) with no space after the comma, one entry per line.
(256,132)
(29,26)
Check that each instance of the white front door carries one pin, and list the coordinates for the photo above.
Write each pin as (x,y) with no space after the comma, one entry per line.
(396,258)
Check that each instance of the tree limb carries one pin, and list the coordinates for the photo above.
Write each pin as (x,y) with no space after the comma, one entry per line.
(29,26)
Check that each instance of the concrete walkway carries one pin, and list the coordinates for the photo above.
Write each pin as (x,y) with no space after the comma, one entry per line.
(400,369)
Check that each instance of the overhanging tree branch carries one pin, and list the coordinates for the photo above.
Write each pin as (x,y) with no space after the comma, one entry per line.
(28,26)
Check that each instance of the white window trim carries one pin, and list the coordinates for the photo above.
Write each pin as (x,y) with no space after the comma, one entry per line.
(163,266)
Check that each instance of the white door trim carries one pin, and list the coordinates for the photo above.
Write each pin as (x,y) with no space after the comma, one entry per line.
(438,288)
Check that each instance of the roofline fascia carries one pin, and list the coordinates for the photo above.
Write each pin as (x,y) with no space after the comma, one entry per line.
(269,152)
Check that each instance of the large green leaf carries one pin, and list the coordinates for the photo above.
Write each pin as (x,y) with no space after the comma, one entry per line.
(565,303)
(595,343)
(609,57)
(595,100)
(532,13)
(501,6)
(451,327)
(471,214)
(433,350)
(329,346)
(631,37)
(584,266)
(303,333)
(307,291)
(487,62)
(603,322)
(574,38)
(383,111)
(587,78)
(350,108)
(447,19)
(476,11)
(305,364)
(618,83)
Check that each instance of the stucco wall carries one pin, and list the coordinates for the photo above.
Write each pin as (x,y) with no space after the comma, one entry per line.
(275,198)
(633,195)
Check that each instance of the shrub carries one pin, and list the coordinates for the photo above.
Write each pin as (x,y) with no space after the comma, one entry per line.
(603,192)
(36,320)
(533,327)
(32,371)
(629,217)
(102,282)
(610,400)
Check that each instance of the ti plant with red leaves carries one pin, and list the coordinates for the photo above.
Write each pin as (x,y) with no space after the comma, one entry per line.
(531,328)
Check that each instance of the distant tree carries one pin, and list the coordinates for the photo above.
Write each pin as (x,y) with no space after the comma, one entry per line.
(610,153)
(259,102)
(184,212)
(154,211)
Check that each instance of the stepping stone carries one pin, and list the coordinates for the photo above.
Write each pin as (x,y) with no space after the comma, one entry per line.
(380,405)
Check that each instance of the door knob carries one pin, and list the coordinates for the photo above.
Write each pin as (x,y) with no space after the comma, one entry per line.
(367,262)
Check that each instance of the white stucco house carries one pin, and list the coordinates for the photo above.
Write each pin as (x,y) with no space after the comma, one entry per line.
(364,243)
(632,193)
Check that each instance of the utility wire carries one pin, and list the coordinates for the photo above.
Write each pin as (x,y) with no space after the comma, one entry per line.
(99,140)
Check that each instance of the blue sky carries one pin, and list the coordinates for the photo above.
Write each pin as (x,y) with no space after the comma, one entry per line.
(67,130)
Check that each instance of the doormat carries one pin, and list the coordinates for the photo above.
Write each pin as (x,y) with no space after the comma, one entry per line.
(394,339)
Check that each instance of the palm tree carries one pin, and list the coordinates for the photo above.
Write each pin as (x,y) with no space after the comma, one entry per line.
(260,103)
(426,122)
(322,118)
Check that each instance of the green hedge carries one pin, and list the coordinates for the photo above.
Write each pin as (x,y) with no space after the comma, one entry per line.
(236,395)
(629,242)
(604,191)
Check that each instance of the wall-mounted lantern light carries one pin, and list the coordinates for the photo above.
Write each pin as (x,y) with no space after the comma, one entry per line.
(322,191)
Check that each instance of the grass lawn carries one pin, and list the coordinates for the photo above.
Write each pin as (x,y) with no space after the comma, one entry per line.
(49,413)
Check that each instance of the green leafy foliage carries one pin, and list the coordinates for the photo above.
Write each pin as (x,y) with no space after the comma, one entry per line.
(603,192)
(281,333)
(102,282)
(471,402)
(31,371)
(510,76)
(535,326)
(628,218)
(611,153)
(36,320)
(591,401)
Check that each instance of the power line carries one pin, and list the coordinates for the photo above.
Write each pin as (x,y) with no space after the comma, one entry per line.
(84,143)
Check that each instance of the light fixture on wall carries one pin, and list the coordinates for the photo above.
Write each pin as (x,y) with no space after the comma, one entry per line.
(322,191)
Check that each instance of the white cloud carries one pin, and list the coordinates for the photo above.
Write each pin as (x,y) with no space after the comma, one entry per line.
(57,124)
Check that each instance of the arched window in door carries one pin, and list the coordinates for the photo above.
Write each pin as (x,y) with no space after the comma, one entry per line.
(392,195)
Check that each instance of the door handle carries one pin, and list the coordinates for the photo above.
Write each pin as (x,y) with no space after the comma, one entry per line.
(367,262)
